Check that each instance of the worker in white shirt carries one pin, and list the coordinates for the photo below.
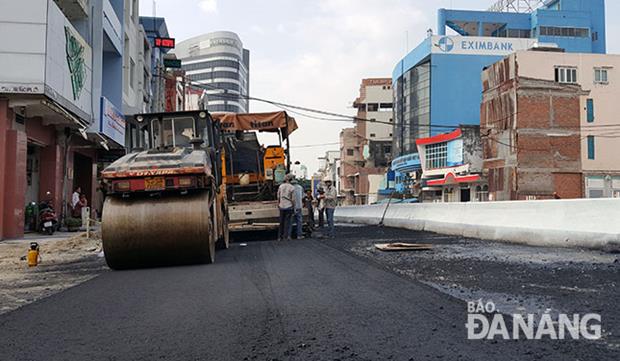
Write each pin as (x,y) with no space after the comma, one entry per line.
(286,204)
(330,198)
(75,198)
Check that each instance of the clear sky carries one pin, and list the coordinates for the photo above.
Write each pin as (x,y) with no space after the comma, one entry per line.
(314,53)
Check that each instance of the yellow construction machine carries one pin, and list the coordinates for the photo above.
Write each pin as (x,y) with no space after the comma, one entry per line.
(166,199)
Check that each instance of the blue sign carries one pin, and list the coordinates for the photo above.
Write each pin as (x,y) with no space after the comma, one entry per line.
(112,122)
(446,44)
(391,176)
(487,45)
(455,153)
(407,163)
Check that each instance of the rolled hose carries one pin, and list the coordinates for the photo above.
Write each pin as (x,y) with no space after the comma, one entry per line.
(146,232)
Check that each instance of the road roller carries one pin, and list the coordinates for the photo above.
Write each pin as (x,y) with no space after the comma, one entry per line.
(166,198)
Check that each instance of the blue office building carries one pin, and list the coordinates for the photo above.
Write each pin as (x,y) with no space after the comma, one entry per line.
(438,84)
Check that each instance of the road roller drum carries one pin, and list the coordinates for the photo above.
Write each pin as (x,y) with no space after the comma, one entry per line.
(148,231)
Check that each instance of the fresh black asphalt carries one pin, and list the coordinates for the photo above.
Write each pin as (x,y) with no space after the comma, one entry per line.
(298,300)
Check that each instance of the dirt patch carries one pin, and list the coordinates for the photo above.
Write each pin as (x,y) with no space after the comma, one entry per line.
(63,263)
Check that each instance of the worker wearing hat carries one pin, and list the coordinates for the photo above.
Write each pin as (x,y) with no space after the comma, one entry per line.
(330,198)
(286,204)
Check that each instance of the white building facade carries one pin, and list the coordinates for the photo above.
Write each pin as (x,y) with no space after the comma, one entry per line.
(136,62)
(218,62)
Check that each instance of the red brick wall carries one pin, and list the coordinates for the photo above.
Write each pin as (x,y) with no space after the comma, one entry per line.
(568,185)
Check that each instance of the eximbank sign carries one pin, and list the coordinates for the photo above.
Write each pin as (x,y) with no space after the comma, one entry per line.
(470,45)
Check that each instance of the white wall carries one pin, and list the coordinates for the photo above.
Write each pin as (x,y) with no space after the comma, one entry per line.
(588,223)
(22,50)
(376,94)
(133,52)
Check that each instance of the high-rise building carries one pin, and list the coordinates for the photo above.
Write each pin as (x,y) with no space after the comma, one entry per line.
(218,62)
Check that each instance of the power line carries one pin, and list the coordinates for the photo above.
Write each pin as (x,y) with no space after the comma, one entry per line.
(295,109)
(314,145)
(289,107)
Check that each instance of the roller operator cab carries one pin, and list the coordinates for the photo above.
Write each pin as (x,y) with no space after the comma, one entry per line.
(166,199)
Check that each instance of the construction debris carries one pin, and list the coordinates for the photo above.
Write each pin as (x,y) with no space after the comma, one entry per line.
(63,263)
(398,246)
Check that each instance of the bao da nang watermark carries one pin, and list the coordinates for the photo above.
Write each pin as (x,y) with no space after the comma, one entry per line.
(483,322)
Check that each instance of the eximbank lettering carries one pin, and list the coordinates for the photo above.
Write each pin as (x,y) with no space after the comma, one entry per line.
(486,45)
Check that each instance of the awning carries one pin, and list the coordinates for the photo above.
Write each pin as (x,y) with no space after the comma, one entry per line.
(450,178)
(263,122)
(439,138)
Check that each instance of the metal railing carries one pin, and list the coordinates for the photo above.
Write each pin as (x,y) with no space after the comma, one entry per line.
(516,6)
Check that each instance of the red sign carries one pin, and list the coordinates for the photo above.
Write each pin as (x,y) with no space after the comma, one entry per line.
(166,43)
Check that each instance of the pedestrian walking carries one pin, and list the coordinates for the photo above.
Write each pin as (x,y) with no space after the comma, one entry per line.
(321,207)
(286,205)
(308,199)
(75,198)
(331,198)
(298,200)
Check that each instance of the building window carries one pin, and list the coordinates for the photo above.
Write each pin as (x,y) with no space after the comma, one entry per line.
(564,32)
(566,75)
(350,152)
(372,135)
(437,155)
(132,73)
(387,149)
(591,147)
(126,79)
(600,76)
(514,33)
(594,35)
(590,110)
(385,107)
(373,107)
(596,193)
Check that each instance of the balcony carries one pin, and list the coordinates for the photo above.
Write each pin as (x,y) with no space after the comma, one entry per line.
(73,9)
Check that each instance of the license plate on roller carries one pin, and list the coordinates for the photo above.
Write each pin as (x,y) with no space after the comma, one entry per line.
(154,184)
(47,224)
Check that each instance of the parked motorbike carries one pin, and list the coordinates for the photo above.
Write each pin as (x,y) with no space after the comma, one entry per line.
(48,220)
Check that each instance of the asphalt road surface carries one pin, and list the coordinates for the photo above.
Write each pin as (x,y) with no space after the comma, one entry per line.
(300,300)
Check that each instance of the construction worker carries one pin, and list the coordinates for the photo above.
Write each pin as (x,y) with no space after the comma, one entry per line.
(320,206)
(298,200)
(331,198)
(308,199)
(286,204)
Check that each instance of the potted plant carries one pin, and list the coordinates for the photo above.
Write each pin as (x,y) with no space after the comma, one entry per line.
(73,224)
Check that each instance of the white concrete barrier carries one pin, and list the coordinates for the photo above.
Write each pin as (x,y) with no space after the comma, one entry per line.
(587,223)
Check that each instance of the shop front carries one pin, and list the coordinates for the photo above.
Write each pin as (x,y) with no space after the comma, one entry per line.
(452,167)
(45,100)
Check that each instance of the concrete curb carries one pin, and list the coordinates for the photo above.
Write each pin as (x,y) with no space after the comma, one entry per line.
(581,223)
